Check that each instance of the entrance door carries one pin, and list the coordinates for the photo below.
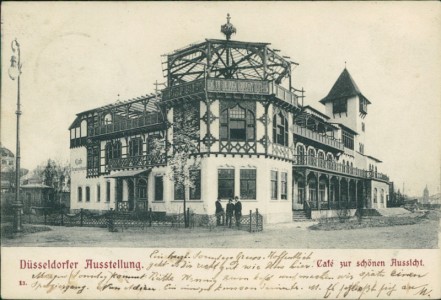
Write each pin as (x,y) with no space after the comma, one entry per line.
(298,194)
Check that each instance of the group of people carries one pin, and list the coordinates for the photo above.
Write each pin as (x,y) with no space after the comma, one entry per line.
(231,209)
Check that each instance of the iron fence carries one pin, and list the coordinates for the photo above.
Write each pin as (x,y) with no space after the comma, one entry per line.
(114,220)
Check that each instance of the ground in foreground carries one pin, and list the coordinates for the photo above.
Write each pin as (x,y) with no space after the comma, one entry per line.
(423,235)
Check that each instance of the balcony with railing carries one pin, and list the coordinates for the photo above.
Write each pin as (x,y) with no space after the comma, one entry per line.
(144,121)
(140,161)
(233,86)
(317,137)
(334,167)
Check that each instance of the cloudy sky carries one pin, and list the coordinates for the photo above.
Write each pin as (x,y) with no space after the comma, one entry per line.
(77,56)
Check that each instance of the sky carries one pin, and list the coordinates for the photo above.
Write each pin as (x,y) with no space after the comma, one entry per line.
(77,56)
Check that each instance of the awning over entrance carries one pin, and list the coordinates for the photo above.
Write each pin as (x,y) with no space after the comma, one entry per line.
(128,173)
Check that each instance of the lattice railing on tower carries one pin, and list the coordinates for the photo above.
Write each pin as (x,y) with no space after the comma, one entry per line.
(238,147)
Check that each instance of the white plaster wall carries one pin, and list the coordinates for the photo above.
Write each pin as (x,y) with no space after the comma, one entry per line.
(274,211)
(349,119)
(379,185)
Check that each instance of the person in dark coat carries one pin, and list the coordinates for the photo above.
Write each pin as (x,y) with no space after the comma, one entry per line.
(219,212)
(230,211)
(237,210)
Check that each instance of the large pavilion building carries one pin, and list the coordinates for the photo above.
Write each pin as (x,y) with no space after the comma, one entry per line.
(255,140)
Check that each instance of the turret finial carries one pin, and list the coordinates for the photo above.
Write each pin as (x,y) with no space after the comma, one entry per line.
(228,29)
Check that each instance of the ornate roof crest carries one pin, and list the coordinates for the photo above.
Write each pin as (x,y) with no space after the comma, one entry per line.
(228,29)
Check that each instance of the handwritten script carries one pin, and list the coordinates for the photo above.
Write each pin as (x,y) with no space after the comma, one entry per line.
(211,272)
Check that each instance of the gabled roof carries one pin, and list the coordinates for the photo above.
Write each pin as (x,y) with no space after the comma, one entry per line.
(344,87)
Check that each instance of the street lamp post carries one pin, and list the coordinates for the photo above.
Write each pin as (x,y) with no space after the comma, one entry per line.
(15,72)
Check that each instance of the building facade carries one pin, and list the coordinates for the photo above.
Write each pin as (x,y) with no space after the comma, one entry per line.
(254,140)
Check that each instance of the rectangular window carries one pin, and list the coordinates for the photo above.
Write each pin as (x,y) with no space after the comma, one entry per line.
(98,193)
(108,191)
(274,179)
(363,105)
(363,126)
(80,194)
(87,194)
(237,130)
(248,184)
(159,187)
(339,106)
(135,147)
(195,192)
(361,148)
(284,185)
(179,191)
(348,139)
(225,183)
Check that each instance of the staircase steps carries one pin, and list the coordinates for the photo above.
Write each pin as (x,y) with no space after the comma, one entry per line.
(299,215)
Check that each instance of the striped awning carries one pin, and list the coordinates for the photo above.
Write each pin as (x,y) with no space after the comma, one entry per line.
(128,173)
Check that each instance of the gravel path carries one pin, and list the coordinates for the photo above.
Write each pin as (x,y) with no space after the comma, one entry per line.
(289,235)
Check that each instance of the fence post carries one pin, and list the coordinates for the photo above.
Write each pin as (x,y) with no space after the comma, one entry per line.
(81,217)
(257,219)
(150,217)
(45,217)
(251,219)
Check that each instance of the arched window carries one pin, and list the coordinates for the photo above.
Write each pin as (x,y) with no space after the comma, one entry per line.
(329,157)
(142,189)
(280,129)
(321,159)
(80,194)
(311,156)
(107,119)
(382,196)
(375,195)
(237,124)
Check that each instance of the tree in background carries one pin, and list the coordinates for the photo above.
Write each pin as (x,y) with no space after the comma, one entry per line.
(54,174)
(183,164)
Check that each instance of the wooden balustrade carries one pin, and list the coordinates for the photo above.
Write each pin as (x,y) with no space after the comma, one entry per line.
(312,161)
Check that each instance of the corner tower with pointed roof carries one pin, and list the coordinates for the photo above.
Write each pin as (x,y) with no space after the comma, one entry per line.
(346,105)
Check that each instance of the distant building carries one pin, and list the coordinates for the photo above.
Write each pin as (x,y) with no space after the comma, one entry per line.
(256,140)
(426,198)
(7,170)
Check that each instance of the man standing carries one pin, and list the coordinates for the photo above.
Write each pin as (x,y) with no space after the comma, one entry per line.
(237,210)
(230,211)
(219,212)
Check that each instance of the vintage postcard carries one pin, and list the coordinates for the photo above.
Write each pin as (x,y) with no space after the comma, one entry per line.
(210,150)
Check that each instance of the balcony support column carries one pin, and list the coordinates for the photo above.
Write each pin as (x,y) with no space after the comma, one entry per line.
(317,190)
(339,191)
(356,194)
(306,186)
(135,198)
(347,198)
(364,194)
(329,192)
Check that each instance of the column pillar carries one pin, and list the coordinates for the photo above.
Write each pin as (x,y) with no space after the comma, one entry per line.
(339,191)
(306,187)
(329,192)
(356,194)
(317,190)
(347,198)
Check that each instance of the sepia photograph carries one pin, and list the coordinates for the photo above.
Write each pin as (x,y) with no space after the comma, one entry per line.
(211,149)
